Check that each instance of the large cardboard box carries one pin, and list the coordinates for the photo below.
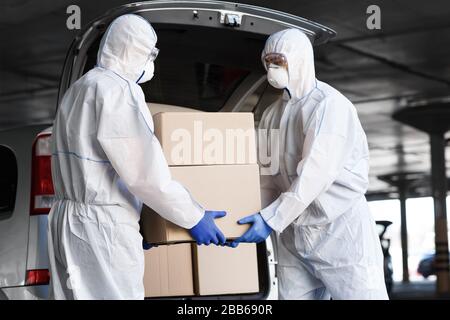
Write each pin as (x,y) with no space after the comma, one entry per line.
(233,188)
(192,142)
(168,271)
(159,107)
(224,270)
(206,138)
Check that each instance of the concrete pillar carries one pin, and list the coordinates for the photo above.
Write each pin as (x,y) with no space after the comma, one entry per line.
(439,189)
(403,231)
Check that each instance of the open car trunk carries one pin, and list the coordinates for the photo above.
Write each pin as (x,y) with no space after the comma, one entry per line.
(210,60)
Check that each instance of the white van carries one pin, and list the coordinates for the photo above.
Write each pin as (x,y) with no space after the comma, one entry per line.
(209,60)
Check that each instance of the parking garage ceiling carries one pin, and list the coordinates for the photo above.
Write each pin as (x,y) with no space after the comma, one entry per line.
(379,70)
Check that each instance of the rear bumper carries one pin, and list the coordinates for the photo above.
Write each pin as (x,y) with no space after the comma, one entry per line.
(25,292)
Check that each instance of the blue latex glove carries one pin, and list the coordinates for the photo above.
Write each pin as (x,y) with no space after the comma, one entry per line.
(206,231)
(147,246)
(258,232)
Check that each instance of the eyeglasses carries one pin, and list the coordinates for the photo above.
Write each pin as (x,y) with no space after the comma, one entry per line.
(153,54)
(278,59)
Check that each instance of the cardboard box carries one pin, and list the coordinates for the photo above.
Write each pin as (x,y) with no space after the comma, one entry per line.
(206,138)
(158,107)
(168,271)
(223,270)
(233,188)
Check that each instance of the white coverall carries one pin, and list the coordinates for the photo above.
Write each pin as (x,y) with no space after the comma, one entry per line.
(326,238)
(105,162)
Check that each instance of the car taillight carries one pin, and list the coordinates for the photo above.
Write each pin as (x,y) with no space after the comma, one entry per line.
(37,277)
(42,192)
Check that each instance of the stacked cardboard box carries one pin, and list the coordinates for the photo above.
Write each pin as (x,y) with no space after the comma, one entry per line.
(224,270)
(214,156)
(180,270)
(221,173)
(168,271)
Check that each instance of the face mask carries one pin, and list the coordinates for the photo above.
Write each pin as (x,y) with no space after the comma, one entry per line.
(278,77)
(148,72)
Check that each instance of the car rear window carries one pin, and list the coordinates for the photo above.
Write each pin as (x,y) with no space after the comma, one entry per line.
(8,182)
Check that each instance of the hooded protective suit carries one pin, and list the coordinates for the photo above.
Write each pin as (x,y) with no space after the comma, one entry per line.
(105,161)
(326,237)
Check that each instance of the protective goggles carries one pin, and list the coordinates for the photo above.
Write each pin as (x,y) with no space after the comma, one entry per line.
(277,59)
(153,54)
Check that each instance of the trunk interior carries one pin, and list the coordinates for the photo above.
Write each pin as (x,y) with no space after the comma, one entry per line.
(198,67)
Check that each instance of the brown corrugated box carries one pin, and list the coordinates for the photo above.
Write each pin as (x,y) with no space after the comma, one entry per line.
(206,138)
(159,107)
(182,270)
(224,270)
(168,271)
(233,188)
(172,270)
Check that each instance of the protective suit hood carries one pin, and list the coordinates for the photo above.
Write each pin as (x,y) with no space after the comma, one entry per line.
(126,46)
(298,50)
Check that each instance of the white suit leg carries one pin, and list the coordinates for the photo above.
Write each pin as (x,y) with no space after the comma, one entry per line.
(105,260)
(295,280)
(346,255)
(59,278)
(297,283)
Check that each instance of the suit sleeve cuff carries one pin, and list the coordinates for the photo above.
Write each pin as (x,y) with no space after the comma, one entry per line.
(283,211)
(197,215)
(269,212)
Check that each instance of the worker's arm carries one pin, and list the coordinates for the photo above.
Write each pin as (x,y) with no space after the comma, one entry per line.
(327,145)
(125,133)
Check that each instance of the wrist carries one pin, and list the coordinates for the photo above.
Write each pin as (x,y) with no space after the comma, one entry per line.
(199,218)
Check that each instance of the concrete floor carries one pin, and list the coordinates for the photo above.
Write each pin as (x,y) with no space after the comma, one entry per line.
(417,290)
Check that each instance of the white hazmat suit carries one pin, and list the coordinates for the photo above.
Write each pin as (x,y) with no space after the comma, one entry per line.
(326,237)
(105,162)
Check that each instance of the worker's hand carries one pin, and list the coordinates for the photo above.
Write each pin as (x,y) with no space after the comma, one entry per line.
(258,232)
(206,231)
(147,246)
